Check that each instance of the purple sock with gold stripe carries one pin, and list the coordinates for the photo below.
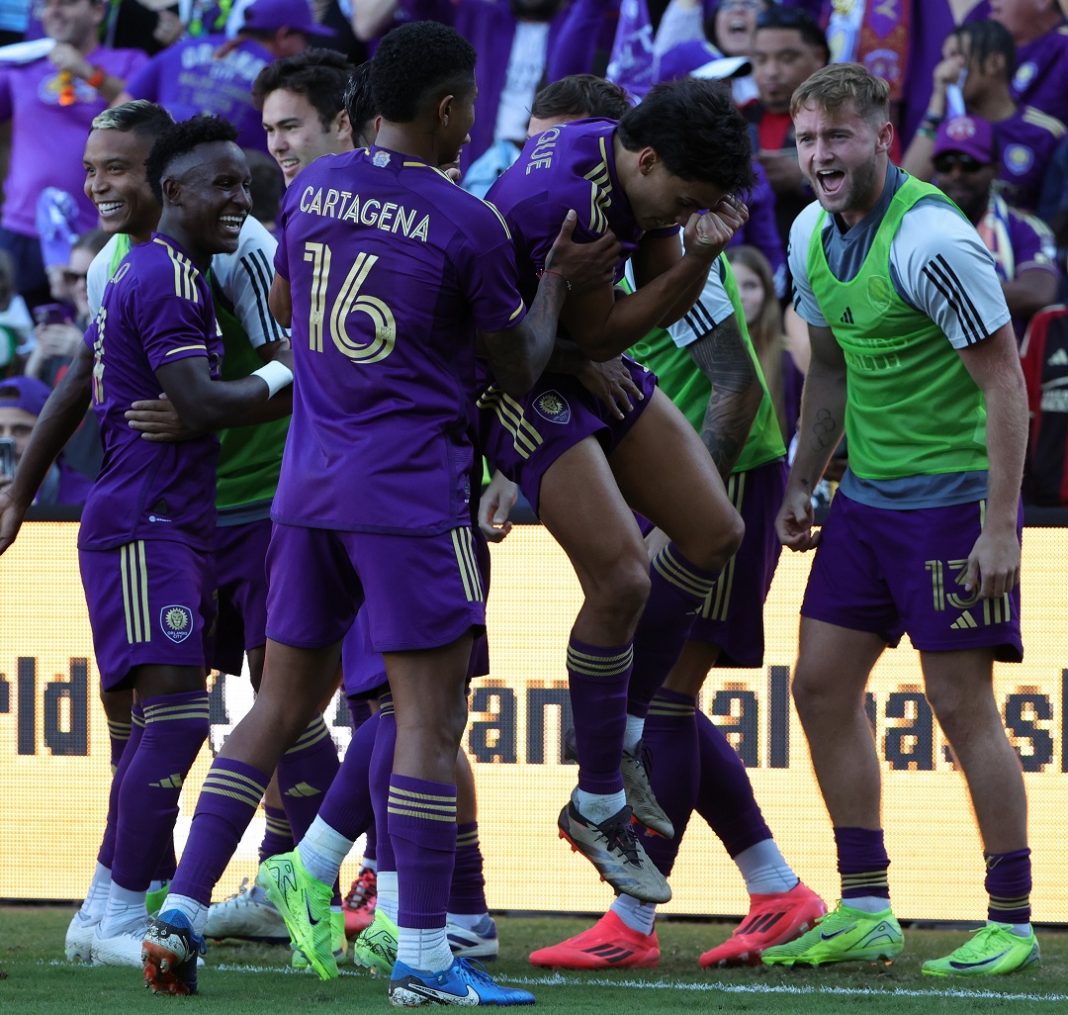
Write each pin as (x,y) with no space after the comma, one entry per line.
(176,726)
(277,835)
(305,773)
(467,895)
(597,683)
(422,828)
(862,863)
(677,589)
(1008,884)
(106,854)
(232,792)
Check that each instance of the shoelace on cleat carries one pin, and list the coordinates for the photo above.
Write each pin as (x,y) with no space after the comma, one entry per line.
(362,891)
(620,837)
(973,949)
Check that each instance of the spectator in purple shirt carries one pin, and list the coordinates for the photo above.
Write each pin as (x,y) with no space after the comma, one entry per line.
(1041,35)
(50,101)
(1026,137)
(1023,249)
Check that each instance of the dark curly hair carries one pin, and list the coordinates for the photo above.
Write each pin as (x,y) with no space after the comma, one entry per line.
(417,61)
(359,102)
(181,139)
(320,75)
(696,129)
(581,95)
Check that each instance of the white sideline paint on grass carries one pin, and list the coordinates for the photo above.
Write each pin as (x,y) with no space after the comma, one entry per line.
(556,980)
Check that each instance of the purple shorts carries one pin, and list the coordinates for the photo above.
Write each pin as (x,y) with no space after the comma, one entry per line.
(732,616)
(523,437)
(364,670)
(241,574)
(891,572)
(151,603)
(419,592)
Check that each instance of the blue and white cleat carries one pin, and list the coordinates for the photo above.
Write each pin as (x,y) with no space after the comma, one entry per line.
(463,983)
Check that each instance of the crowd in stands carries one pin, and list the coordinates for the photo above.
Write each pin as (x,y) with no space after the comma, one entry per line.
(980,90)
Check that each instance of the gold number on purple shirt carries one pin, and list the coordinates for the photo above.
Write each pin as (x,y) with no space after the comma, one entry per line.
(348,301)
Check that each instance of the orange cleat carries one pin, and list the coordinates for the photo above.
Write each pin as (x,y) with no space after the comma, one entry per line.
(772,920)
(608,944)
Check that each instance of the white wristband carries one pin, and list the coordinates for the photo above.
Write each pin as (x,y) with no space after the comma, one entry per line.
(275,375)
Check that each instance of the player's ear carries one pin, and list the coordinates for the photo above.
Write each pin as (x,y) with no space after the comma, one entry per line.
(647,160)
(342,127)
(445,109)
(172,190)
(884,137)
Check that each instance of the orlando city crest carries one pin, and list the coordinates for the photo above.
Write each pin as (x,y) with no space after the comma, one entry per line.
(176,622)
(551,405)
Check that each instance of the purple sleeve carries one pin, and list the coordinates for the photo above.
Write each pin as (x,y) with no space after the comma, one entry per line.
(171,328)
(281,254)
(578,35)
(1033,246)
(487,271)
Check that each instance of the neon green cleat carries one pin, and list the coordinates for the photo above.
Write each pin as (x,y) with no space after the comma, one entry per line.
(341,943)
(376,947)
(154,900)
(992,951)
(304,903)
(842,935)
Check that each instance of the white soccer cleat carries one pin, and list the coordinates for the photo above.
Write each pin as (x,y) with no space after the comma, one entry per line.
(478,942)
(246,914)
(120,950)
(78,944)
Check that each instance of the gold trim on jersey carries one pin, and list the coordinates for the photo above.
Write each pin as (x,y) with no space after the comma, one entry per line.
(133,573)
(525,438)
(464,547)
(1037,118)
(187,348)
(600,192)
(185,274)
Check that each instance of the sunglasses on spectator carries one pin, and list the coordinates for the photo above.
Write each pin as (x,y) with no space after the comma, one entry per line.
(70,277)
(952,160)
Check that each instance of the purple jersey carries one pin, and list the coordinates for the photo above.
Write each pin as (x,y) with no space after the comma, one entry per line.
(188,79)
(156,310)
(391,268)
(564,168)
(49,123)
(1041,78)
(1026,140)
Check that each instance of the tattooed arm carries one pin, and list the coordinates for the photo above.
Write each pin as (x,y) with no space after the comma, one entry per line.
(823,404)
(721,355)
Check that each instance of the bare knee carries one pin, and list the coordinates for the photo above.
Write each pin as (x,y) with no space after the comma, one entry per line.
(617,592)
(816,698)
(711,546)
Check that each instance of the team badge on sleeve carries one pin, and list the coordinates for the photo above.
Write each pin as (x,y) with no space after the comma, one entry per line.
(551,405)
(176,622)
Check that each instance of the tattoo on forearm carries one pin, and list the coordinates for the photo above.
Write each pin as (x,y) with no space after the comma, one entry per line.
(824,430)
(723,358)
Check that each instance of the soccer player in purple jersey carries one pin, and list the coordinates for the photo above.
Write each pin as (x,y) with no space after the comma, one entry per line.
(388,273)
(145,539)
(585,468)
(914,360)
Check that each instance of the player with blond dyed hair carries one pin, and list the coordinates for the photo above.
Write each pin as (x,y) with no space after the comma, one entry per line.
(914,360)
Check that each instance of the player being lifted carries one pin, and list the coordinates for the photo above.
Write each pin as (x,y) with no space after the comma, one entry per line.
(914,359)
(387,271)
(585,468)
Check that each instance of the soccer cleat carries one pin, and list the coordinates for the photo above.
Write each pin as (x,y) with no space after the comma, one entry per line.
(154,899)
(303,902)
(992,951)
(461,984)
(341,943)
(843,935)
(636,786)
(608,944)
(640,794)
(478,942)
(359,904)
(376,947)
(249,914)
(773,919)
(119,950)
(169,954)
(78,944)
(615,850)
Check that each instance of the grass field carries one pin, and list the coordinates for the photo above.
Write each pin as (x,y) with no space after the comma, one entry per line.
(247,979)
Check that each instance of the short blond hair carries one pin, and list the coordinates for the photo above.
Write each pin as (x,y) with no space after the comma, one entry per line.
(837,84)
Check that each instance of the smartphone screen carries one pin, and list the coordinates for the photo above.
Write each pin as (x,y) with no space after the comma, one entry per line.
(7,456)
